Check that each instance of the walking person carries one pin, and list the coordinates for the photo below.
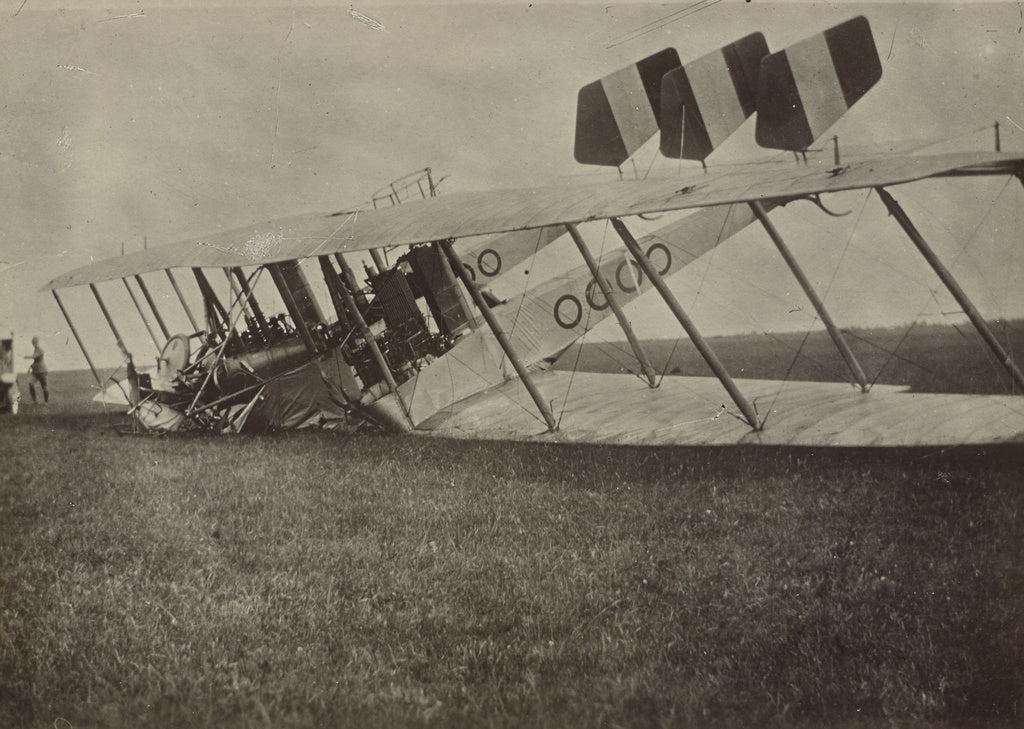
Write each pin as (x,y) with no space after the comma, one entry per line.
(37,370)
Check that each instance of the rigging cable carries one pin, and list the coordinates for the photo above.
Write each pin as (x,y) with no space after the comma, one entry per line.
(664,20)
(700,286)
(606,346)
(803,342)
(933,291)
(579,349)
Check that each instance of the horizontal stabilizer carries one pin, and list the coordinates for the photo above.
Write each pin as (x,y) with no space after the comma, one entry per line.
(616,115)
(708,99)
(806,88)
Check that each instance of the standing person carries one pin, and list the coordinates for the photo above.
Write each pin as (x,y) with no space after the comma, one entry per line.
(37,370)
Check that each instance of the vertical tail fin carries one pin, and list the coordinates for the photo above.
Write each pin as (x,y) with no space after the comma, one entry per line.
(617,114)
(707,100)
(806,88)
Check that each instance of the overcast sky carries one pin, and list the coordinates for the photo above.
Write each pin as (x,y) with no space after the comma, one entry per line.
(158,123)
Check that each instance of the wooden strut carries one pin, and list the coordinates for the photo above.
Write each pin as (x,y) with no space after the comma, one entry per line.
(293,308)
(110,322)
(219,355)
(378,260)
(233,288)
(240,292)
(334,287)
(951,284)
(444,266)
(152,306)
(351,283)
(812,295)
(364,328)
(499,334)
(253,304)
(142,315)
(181,298)
(210,299)
(691,330)
(609,296)
(77,338)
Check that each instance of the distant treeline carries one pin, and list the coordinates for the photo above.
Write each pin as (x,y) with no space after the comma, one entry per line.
(924,357)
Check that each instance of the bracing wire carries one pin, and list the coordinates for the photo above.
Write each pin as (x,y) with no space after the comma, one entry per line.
(526,286)
(664,20)
(807,333)
(498,390)
(893,354)
(579,349)
(933,290)
(789,371)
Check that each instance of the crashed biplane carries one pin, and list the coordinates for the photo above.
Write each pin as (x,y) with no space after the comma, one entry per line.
(429,341)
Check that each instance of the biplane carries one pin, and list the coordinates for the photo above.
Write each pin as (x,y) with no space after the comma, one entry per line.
(435,338)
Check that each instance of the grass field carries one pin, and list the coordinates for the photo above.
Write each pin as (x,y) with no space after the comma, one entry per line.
(359,579)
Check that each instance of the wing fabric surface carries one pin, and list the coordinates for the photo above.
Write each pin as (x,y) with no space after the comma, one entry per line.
(488,258)
(620,409)
(501,211)
(545,320)
(548,318)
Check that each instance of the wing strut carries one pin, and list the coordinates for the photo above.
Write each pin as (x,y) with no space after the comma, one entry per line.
(214,308)
(293,308)
(142,315)
(499,334)
(184,304)
(609,296)
(334,282)
(673,304)
(77,338)
(254,306)
(152,306)
(110,323)
(378,260)
(954,288)
(812,295)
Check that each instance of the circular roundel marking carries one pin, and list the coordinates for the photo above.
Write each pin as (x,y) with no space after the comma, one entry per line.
(568,319)
(628,286)
(595,297)
(662,270)
(489,262)
(471,270)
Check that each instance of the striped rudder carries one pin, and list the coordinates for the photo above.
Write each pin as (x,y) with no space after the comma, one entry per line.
(707,100)
(806,88)
(616,115)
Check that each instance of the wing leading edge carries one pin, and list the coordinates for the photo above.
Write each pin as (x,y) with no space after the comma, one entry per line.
(502,211)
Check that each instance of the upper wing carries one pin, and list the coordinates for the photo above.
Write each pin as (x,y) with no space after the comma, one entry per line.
(501,211)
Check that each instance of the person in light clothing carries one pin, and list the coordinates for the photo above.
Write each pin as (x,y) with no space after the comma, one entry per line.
(37,370)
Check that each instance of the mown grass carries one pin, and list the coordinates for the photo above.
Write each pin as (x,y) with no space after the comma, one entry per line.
(369,580)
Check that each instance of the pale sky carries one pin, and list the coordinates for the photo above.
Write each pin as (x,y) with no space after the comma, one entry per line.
(162,122)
